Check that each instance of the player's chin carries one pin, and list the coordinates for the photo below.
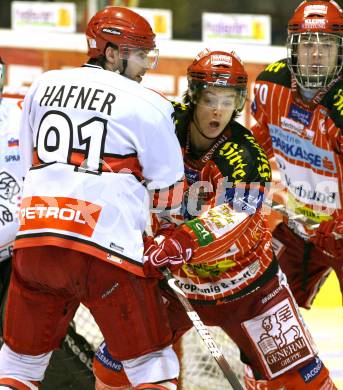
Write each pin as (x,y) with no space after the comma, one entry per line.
(138,78)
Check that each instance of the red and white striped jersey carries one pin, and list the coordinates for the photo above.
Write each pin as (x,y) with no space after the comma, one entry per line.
(306,140)
(96,143)
(11,180)
(222,210)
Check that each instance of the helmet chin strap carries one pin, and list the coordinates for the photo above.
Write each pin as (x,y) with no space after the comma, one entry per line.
(122,73)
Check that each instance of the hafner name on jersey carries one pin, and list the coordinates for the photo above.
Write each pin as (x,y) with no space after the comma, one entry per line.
(78,97)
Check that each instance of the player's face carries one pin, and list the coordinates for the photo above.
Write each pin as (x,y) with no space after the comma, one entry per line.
(138,62)
(214,109)
(317,54)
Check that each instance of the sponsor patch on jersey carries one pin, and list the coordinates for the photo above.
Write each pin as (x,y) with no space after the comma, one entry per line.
(311,214)
(222,286)
(300,115)
(291,125)
(301,149)
(13,142)
(279,338)
(116,247)
(309,188)
(59,213)
(12,158)
(208,270)
(234,155)
(271,295)
(221,219)
(321,193)
(192,175)
(114,259)
(6,215)
(105,358)
(311,370)
(9,187)
(202,233)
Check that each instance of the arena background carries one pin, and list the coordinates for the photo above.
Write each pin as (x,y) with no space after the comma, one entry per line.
(28,55)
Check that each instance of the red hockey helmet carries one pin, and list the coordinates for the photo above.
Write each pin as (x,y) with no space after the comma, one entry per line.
(316,24)
(317,16)
(122,27)
(217,69)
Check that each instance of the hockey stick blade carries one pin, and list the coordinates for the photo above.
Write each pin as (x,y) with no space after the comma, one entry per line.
(203,332)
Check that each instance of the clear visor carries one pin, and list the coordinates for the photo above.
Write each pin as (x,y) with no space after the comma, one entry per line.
(314,58)
(221,98)
(146,58)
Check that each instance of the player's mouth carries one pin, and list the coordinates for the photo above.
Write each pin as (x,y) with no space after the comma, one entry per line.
(214,125)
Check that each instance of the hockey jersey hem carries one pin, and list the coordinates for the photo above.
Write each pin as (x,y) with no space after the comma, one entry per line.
(101,253)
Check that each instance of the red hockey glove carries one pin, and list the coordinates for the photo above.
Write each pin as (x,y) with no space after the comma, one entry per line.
(329,237)
(172,252)
(166,229)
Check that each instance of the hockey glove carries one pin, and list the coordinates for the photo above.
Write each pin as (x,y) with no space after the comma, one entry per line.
(172,252)
(329,237)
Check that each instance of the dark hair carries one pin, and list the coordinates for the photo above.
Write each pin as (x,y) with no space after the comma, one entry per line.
(101,60)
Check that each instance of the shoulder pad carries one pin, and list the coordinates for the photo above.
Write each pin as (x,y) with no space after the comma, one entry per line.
(181,117)
(242,158)
(333,101)
(277,73)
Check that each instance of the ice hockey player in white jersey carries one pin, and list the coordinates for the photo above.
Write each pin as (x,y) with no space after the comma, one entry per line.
(71,365)
(10,179)
(95,144)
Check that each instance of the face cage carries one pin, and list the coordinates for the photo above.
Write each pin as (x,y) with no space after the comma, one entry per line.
(147,58)
(195,88)
(324,73)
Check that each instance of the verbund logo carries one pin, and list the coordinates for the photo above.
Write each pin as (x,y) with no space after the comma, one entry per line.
(68,214)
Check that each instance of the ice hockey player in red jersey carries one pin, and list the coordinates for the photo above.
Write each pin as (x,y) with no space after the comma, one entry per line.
(298,107)
(95,144)
(232,279)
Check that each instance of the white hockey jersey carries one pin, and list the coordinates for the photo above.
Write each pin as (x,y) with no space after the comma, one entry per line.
(10,172)
(97,142)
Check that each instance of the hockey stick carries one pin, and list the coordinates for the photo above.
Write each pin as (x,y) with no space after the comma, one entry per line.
(303,219)
(203,332)
(281,208)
